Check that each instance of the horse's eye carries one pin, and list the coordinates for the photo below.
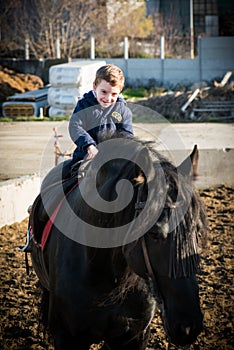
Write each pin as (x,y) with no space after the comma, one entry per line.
(160,230)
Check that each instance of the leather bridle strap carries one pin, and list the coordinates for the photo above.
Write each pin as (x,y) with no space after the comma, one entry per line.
(138,207)
(154,284)
(147,261)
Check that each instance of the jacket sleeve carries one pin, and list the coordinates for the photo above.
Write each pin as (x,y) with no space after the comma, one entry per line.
(77,131)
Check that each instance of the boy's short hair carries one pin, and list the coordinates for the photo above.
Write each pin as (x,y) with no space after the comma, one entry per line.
(112,74)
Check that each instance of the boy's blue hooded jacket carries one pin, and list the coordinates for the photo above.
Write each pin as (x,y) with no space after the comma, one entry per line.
(89,120)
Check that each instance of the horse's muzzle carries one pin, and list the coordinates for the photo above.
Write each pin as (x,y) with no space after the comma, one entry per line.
(185,334)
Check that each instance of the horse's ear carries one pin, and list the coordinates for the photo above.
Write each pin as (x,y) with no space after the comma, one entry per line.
(189,166)
(139,180)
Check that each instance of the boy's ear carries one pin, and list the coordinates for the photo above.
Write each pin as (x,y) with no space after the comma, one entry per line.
(94,86)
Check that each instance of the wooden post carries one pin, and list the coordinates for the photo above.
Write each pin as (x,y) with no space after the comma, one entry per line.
(26,49)
(191,30)
(57,151)
(92,48)
(162,47)
(125,48)
(58,53)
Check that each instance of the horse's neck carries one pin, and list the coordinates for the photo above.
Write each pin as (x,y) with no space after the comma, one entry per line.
(107,262)
(98,256)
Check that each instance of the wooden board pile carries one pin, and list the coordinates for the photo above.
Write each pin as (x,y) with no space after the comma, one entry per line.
(208,102)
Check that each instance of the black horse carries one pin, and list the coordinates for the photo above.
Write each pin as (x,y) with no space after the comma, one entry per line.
(110,262)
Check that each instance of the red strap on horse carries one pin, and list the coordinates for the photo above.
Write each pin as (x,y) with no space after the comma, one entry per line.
(50,222)
(48,226)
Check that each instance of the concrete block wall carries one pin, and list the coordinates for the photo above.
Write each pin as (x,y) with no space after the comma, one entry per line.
(182,71)
(144,71)
(216,57)
(153,72)
(16,196)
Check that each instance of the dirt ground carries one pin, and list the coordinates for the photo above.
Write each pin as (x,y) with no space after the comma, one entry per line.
(19,293)
(12,82)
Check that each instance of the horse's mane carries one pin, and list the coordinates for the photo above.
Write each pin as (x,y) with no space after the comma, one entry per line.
(182,221)
(187,215)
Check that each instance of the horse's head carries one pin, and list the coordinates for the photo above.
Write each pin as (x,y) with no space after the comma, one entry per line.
(150,208)
(168,256)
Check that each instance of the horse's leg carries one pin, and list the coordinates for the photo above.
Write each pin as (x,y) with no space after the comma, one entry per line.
(124,343)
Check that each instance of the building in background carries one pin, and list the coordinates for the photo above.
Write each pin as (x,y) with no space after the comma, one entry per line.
(210,17)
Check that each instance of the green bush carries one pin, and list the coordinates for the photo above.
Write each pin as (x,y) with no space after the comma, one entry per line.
(135,93)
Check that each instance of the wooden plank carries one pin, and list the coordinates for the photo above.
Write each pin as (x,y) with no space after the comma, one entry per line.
(211,109)
(192,97)
(225,78)
(218,104)
(224,103)
(215,106)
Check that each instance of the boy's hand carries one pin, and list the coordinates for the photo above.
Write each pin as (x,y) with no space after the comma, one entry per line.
(91,152)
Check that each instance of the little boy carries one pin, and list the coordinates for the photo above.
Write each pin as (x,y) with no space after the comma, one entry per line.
(100,110)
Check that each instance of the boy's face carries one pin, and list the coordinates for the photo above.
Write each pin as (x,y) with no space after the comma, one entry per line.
(106,93)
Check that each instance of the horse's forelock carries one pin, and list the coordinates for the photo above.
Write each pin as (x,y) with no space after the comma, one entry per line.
(189,229)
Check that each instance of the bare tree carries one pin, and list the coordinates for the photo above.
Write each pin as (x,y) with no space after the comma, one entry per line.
(41,22)
(176,40)
(65,20)
(73,22)
(123,19)
(75,30)
(8,41)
